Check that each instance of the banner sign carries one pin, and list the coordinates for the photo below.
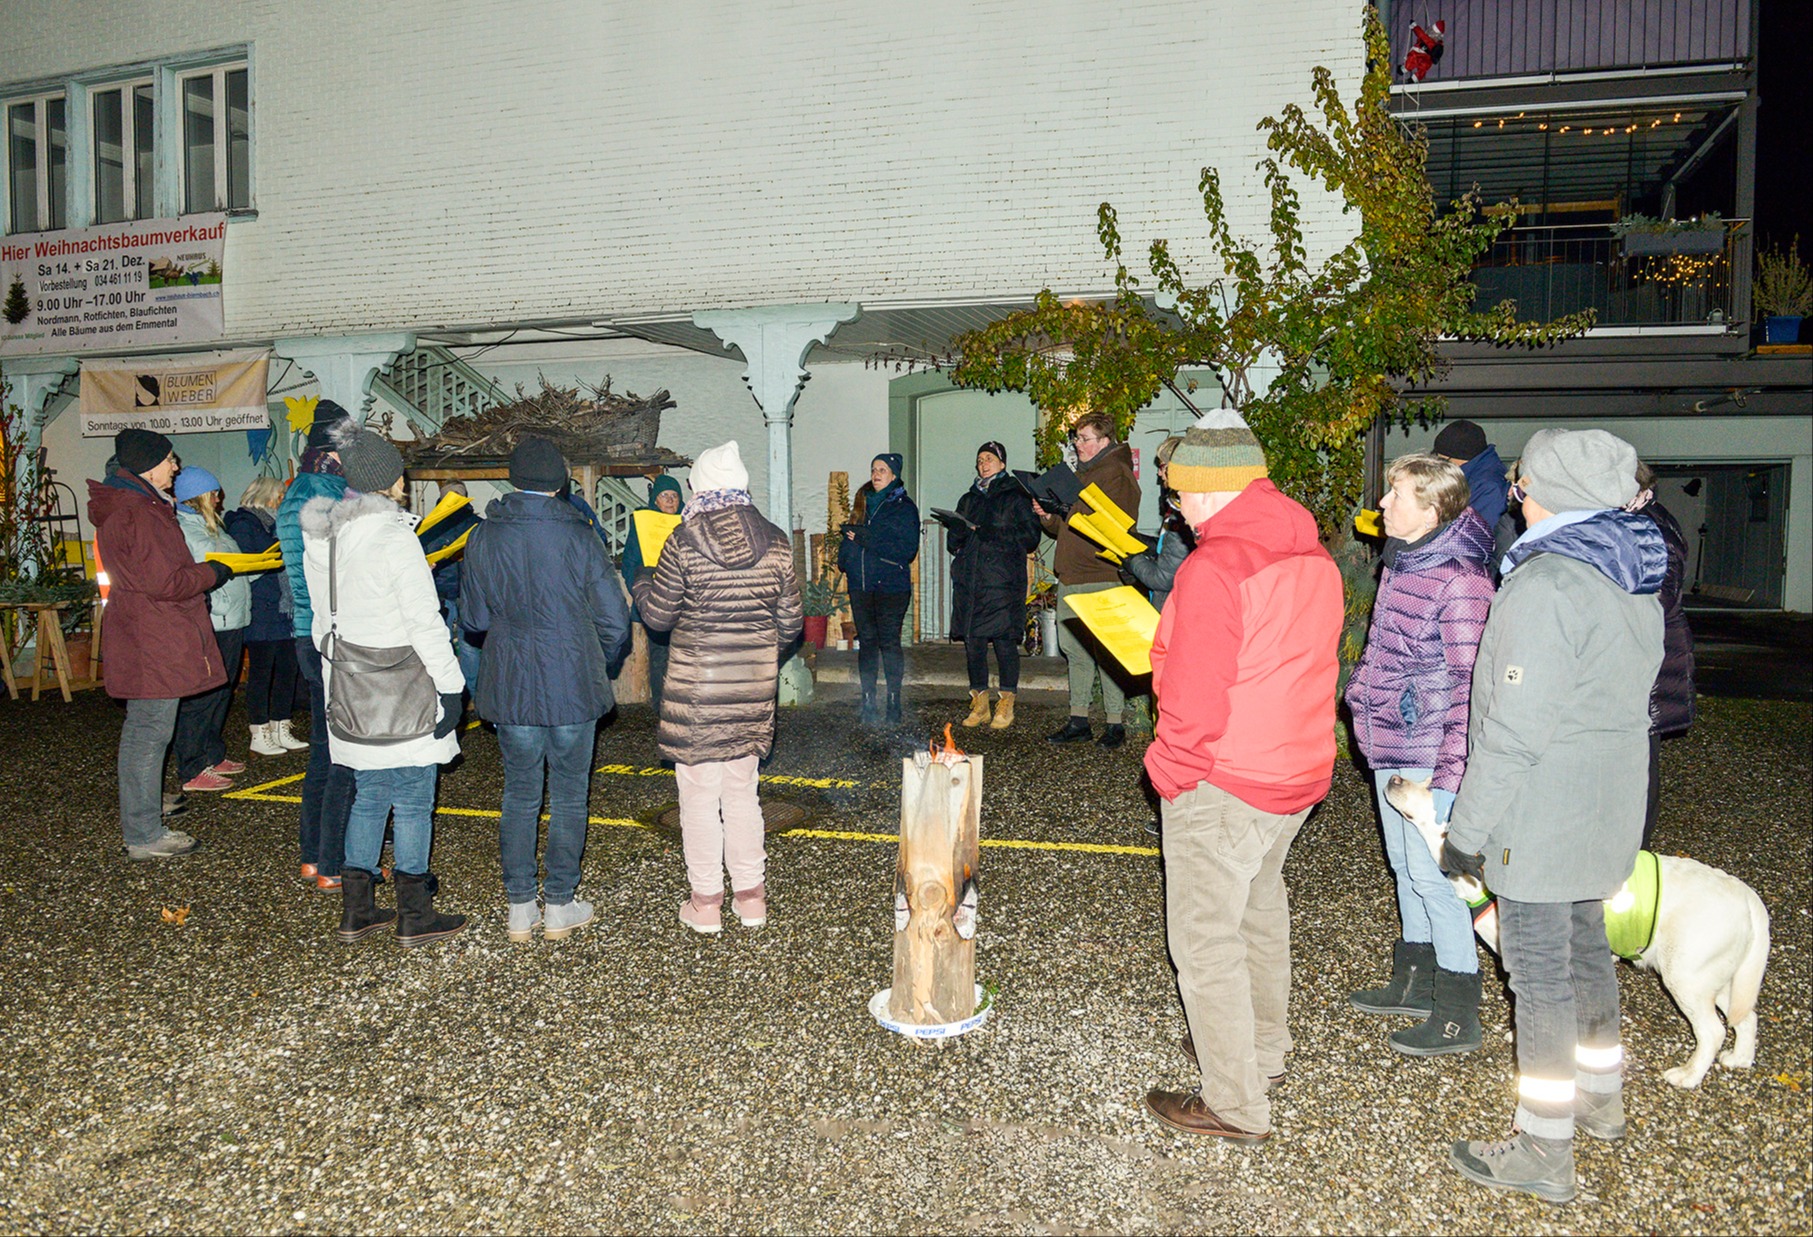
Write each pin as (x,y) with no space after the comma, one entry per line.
(197,394)
(150,283)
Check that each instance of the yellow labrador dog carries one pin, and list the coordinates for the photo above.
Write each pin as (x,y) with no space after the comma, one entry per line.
(1710,945)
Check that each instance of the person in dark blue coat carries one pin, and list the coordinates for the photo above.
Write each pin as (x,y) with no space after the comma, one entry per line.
(1489,489)
(665,496)
(876,556)
(270,646)
(538,582)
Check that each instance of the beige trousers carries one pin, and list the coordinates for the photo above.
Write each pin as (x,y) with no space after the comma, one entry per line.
(721,825)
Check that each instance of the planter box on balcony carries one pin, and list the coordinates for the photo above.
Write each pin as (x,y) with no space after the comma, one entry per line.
(1687,240)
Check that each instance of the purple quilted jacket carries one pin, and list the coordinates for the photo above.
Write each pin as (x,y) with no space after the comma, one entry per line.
(1409,693)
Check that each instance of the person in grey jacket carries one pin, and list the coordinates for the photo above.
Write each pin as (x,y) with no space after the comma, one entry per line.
(725,587)
(1550,811)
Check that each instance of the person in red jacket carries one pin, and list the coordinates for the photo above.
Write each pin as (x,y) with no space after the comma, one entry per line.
(1243,668)
(158,643)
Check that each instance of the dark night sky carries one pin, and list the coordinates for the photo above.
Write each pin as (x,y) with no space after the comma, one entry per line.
(1784,164)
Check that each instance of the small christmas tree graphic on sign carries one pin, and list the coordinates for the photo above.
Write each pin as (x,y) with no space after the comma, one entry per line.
(18,306)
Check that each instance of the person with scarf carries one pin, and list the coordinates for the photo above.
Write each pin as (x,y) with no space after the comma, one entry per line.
(725,589)
(988,581)
(270,648)
(201,746)
(1408,696)
(664,496)
(158,642)
(327,787)
(876,557)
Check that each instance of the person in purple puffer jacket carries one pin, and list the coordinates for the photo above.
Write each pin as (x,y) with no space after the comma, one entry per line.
(1409,698)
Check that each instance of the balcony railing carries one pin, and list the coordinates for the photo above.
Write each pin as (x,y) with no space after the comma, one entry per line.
(1551,271)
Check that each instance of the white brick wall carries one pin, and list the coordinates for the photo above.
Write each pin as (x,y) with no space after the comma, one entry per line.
(427,163)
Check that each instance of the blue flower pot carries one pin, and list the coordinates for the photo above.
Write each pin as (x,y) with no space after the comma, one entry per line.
(1781,329)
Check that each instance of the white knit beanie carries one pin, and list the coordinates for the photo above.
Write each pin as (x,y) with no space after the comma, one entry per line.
(720,468)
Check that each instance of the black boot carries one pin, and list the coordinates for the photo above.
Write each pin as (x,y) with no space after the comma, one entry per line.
(418,923)
(1453,1027)
(1076,730)
(359,915)
(1411,989)
(893,705)
(1113,735)
(871,705)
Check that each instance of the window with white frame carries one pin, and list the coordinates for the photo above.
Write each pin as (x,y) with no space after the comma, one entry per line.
(217,139)
(122,124)
(37,163)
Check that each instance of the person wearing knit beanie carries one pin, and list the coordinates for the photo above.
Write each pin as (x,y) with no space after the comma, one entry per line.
(370,463)
(1578,470)
(1218,454)
(325,431)
(537,466)
(1460,441)
(720,468)
(139,451)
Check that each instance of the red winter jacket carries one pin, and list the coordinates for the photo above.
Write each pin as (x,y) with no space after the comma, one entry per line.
(157,642)
(1245,661)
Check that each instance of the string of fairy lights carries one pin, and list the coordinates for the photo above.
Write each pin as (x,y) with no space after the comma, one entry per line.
(1580,130)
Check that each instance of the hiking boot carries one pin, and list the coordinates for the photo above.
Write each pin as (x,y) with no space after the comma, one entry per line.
(978,710)
(1188,1044)
(563,918)
(207,779)
(1600,1116)
(264,741)
(704,915)
(1004,711)
(359,914)
(523,918)
(1185,1112)
(418,923)
(1540,1166)
(1411,989)
(1453,1026)
(1075,730)
(171,845)
(751,906)
(287,739)
(1113,735)
(227,768)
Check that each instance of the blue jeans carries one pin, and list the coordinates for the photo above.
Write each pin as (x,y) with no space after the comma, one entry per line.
(465,653)
(1429,909)
(1566,1010)
(327,788)
(565,753)
(410,792)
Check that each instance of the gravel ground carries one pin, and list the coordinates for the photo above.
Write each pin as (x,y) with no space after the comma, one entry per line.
(242,1072)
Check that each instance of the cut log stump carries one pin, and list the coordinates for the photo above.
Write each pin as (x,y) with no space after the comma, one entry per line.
(935,889)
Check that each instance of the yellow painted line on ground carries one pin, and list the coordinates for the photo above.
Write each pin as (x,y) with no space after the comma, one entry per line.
(260,793)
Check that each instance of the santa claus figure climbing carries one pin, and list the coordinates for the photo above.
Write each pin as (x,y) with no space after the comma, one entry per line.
(1428,50)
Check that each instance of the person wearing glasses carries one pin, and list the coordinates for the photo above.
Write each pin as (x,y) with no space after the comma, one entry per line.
(1103,461)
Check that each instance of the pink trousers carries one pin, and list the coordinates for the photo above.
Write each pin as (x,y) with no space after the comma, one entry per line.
(721,825)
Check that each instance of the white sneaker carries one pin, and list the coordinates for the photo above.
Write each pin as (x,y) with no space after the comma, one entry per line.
(562,919)
(523,918)
(169,846)
(264,741)
(286,738)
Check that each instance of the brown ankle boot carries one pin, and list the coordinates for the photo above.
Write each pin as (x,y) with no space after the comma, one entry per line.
(978,710)
(1004,712)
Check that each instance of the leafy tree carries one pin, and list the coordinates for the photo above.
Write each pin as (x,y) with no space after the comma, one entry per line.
(1344,342)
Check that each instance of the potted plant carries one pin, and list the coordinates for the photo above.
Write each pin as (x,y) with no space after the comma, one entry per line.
(1782,292)
(1646,237)
(820,601)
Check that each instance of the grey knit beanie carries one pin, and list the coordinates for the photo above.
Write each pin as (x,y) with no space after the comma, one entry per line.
(369,462)
(1579,470)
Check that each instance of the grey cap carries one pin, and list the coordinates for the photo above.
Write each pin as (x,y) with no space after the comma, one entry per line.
(369,462)
(1579,470)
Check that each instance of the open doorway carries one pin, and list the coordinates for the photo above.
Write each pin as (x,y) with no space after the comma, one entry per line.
(1736,520)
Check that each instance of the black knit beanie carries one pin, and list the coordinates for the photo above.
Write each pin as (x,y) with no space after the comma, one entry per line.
(323,432)
(536,464)
(139,451)
(1460,440)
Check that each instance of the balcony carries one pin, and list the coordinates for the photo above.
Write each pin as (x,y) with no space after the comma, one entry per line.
(1555,270)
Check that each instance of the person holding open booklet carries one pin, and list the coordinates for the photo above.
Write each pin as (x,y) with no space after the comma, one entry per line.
(991,532)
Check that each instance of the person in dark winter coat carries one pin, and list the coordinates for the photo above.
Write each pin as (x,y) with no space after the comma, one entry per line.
(988,581)
(158,643)
(1550,812)
(876,558)
(538,583)
(270,646)
(726,590)
(447,578)
(1409,699)
(1671,700)
(1100,461)
(1156,569)
(1464,443)
(327,786)
(664,495)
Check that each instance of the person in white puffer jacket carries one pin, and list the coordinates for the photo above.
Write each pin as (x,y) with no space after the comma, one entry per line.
(383,598)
